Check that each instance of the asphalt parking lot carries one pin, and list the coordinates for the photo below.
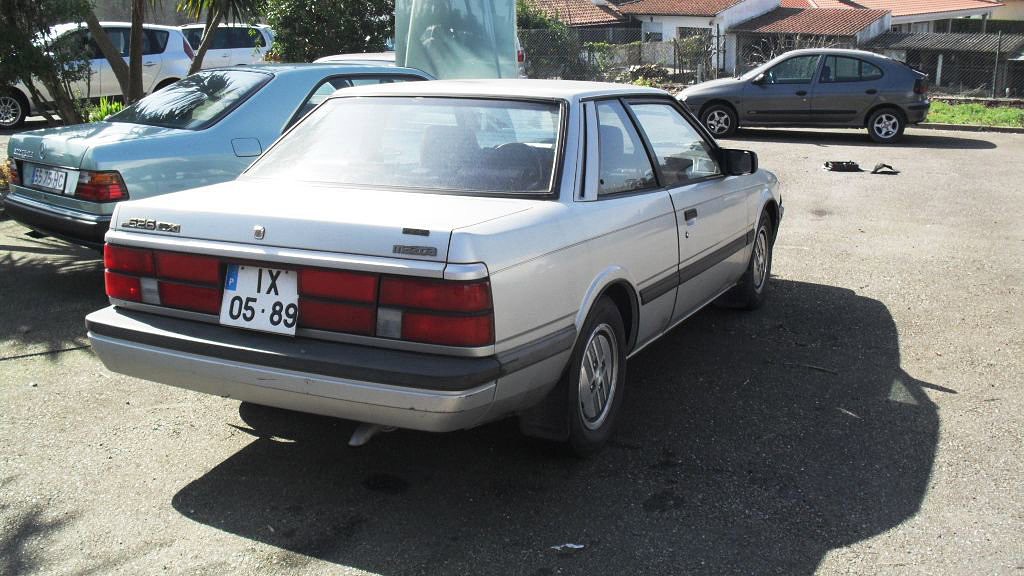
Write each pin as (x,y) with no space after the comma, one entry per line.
(867,420)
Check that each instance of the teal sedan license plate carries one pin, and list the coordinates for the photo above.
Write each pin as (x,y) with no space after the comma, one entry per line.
(49,179)
(264,299)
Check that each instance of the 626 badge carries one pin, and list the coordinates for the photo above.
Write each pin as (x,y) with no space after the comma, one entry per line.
(263,299)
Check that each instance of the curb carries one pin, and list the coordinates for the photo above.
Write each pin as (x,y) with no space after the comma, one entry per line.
(970,128)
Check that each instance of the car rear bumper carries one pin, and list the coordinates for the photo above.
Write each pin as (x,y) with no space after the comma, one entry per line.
(71,225)
(916,113)
(389,387)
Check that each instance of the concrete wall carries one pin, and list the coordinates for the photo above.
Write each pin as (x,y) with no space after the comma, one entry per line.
(1013,10)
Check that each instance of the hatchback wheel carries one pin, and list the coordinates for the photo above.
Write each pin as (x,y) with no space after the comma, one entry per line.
(720,120)
(886,125)
(13,110)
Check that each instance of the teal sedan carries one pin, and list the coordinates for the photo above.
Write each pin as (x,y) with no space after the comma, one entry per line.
(202,130)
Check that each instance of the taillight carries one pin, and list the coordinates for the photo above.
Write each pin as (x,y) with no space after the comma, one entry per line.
(520,56)
(188,267)
(132,260)
(921,86)
(188,49)
(337,285)
(442,295)
(13,176)
(100,186)
(441,312)
(448,330)
(123,287)
(337,316)
(189,297)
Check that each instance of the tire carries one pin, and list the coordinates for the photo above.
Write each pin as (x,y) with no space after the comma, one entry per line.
(886,125)
(720,120)
(13,109)
(595,379)
(752,289)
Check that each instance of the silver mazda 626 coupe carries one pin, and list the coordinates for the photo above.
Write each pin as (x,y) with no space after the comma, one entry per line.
(437,255)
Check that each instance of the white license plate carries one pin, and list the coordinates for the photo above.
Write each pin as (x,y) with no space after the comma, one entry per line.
(50,179)
(264,299)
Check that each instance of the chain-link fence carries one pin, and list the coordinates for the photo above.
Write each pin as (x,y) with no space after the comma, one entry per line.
(572,54)
(976,65)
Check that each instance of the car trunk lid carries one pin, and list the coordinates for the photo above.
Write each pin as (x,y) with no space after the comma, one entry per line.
(316,217)
(67,147)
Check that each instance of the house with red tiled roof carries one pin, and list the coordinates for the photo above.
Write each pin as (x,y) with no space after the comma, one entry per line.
(912,15)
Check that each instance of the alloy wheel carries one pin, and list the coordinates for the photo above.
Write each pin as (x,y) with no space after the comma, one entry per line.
(886,125)
(10,110)
(599,372)
(759,264)
(718,122)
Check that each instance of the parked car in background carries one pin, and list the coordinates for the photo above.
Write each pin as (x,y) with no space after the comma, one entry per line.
(166,57)
(204,129)
(233,45)
(437,255)
(819,87)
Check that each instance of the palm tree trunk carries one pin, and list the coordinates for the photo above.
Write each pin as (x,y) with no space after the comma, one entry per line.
(213,19)
(135,88)
(110,52)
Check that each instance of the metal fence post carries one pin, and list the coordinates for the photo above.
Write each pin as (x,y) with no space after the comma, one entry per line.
(995,67)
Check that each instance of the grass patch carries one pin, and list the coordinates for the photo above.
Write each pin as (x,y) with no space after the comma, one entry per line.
(975,115)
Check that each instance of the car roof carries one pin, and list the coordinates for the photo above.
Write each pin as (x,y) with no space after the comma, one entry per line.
(570,90)
(145,26)
(227,25)
(835,51)
(339,68)
(359,57)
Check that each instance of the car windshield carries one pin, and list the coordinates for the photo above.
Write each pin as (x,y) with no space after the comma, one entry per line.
(196,102)
(456,145)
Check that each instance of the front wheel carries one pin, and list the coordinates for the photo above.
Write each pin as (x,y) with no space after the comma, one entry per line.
(596,376)
(13,110)
(752,288)
(720,120)
(886,125)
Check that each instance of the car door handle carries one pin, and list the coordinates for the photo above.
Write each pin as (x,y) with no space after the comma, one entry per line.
(149,63)
(690,214)
(871,91)
(801,92)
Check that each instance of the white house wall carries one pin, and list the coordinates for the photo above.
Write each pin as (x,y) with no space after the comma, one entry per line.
(880,26)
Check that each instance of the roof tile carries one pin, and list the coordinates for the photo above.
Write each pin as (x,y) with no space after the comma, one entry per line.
(678,7)
(815,21)
(579,12)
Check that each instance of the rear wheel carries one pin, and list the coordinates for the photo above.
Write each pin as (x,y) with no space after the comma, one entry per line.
(13,109)
(886,125)
(596,376)
(720,120)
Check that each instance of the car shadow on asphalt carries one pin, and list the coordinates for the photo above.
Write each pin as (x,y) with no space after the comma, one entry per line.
(46,287)
(750,443)
(917,139)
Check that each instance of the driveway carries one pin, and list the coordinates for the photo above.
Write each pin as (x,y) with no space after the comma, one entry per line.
(867,420)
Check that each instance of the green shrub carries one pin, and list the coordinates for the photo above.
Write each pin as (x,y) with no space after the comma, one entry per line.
(106,107)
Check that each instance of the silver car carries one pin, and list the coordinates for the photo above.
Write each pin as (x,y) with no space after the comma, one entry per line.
(821,87)
(204,129)
(437,255)
(166,58)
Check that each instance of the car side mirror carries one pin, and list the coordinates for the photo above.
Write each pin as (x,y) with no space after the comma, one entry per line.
(738,162)
(759,79)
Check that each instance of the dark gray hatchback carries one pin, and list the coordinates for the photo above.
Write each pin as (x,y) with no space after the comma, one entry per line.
(818,87)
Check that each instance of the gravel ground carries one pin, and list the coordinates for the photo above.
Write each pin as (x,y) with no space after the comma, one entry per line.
(868,420)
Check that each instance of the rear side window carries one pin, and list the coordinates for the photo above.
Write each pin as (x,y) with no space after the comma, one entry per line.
(194,36)
(154,41)
(843,69)
(624,166)
(196,102)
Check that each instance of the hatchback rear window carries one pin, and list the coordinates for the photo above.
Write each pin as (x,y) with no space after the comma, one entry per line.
(196,102)
(458,145)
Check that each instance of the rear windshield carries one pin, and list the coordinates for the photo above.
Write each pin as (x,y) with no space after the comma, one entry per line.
(196,102)
(439,144)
